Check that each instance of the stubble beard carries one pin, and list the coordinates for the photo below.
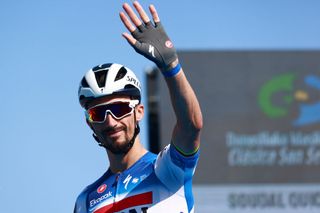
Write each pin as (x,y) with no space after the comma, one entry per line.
(114,147)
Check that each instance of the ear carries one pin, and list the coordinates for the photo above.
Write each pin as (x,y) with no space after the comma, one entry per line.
(139,112)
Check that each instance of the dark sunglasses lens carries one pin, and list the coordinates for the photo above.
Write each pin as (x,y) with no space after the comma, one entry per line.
(97,113)
(119,109)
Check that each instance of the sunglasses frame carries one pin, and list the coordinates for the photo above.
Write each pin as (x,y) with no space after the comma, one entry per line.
(132,104)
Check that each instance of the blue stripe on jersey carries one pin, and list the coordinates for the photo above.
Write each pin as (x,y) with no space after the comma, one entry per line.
(188,163)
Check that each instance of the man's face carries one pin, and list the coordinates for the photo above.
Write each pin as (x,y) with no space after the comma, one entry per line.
(116,134)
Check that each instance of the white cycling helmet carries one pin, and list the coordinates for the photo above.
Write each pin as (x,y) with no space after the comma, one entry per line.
(108,79)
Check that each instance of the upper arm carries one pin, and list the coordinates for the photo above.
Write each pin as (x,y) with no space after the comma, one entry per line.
(186,141)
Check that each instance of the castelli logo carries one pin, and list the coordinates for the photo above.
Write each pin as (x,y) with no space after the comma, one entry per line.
(102,188)
(169,44)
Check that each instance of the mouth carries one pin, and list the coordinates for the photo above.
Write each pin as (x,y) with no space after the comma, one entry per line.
(113,133)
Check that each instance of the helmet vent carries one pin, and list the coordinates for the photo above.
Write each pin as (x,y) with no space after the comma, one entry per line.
(102,66)
(84,82)
(121,73)
(128,86)
(101,77)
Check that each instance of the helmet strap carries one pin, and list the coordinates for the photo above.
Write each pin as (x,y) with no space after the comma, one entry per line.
(136,131)
(97,139)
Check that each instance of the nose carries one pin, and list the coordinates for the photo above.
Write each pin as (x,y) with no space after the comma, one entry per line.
(110,120)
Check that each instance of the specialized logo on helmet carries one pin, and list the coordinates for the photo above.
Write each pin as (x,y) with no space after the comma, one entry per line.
(278,96)
(134,81)
(102,188)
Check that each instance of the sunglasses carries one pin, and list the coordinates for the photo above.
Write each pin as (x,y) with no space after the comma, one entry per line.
(118,110)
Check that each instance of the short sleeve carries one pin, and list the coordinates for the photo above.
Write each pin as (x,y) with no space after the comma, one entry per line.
(174,169)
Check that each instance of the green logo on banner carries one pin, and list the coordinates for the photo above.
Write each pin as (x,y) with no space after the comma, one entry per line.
(277,95)
(282,83)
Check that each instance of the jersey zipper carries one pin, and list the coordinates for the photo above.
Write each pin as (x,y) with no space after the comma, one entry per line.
(116,191)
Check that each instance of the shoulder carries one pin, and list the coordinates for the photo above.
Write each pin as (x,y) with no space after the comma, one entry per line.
(148,157)
(98,182)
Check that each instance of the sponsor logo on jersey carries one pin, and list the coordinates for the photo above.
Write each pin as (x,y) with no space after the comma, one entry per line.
(102,188)
(135,180)
(100,199)
(142,177)
(126,181)
(129,179)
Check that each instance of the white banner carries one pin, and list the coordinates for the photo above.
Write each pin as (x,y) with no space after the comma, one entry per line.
(257,198)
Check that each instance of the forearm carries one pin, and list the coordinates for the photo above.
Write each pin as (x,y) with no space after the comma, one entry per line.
(186,135)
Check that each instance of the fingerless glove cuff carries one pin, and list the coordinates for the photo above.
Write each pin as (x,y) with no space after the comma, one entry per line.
(172,72)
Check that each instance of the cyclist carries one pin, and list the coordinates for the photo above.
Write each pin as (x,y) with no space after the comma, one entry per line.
(138,180)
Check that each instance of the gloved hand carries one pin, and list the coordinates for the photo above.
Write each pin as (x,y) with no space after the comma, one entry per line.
(153,43)
(148,39)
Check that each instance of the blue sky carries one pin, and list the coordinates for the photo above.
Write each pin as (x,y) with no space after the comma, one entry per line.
(47,154)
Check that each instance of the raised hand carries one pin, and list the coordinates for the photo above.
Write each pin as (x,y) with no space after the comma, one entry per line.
(148,38)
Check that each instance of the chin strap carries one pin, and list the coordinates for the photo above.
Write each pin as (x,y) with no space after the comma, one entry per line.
(136,132)
(97,139)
